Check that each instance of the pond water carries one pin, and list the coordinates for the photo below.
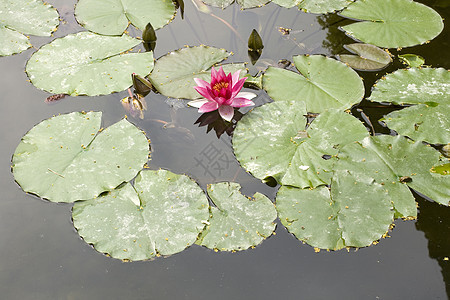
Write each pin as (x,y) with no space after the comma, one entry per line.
(42,256)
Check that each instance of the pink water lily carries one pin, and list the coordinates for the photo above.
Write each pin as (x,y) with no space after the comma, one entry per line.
(223,93)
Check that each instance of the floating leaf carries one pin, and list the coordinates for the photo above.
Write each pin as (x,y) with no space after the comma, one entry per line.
(396,163)
(87,64)
(271,141)
(64,158)
(412,60)
(24,16)
(355,213)
(422,123)
(111,17)
(315,6)
(236,222)
(368,58)
(174,73)
(392,23)
(162,215)
(244,4)
(441,169)
(322,83)
(413,86)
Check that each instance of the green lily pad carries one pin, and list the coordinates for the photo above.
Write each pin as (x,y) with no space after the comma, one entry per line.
(322,83)
(112,17)
(392,23)
(422,123)
(271,141)
(87,64)
(413,86)
(315,6)
(397,163)
(162,215)
(18,17)
(244,4)
(356,213)
(368,58)
(236,222)
(65,158)
(441,169)
(412,60)
(174,73)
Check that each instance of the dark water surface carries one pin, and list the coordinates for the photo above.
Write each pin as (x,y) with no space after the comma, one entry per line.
(42,257)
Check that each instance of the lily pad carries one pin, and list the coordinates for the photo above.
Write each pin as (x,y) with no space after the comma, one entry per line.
(87,64)
(236,222)
(244,4)
(412,60)
(18,17)
(66,158)
(368,58)
(174,73)
(112,17)
(397,163)
(422,123)
(356,212)
(413,86)
(392,23)
(322,83)
(271,141)
(315,6)
(162,215)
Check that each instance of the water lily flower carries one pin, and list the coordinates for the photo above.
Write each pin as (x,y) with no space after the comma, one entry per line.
(222,93)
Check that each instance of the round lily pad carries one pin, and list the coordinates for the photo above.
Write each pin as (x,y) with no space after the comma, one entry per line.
(66,158)
(392,23)
(87,64)
(18,17)
(355,213)
(174,73)
(112,17)
(368,58)
(271,141)
(315,6)
(413,86)
(237,222)
(322,83)
(422,123)
(162,215)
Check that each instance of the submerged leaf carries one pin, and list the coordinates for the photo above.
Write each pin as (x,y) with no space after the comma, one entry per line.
(236,222)
(65,158)
(87,64)
(322,83)
(162,215)
(244,4)
(368,58)
(111,17)
(270,141)
(392,23)
(412,60)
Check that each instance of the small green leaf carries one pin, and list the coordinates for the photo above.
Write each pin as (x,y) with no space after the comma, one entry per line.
(412,60)
(236,222)
(315,6)
(244,4)
(64,158)
(368,58)
(162,215)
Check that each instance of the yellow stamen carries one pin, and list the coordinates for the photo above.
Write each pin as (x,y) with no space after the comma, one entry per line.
(220,85)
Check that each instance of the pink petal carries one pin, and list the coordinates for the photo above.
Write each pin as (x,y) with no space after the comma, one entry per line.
(214,74)
(246,95)
(238,86)
(235,77)
(197,103)
(201,83)
(241,102)
(205,92)
(221,74)
(226,112)
(209,106)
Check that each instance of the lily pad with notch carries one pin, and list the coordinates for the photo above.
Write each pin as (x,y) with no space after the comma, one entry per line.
(66,158)
(368,57)
(161,215)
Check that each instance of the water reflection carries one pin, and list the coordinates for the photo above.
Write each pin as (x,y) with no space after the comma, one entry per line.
(214,121)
